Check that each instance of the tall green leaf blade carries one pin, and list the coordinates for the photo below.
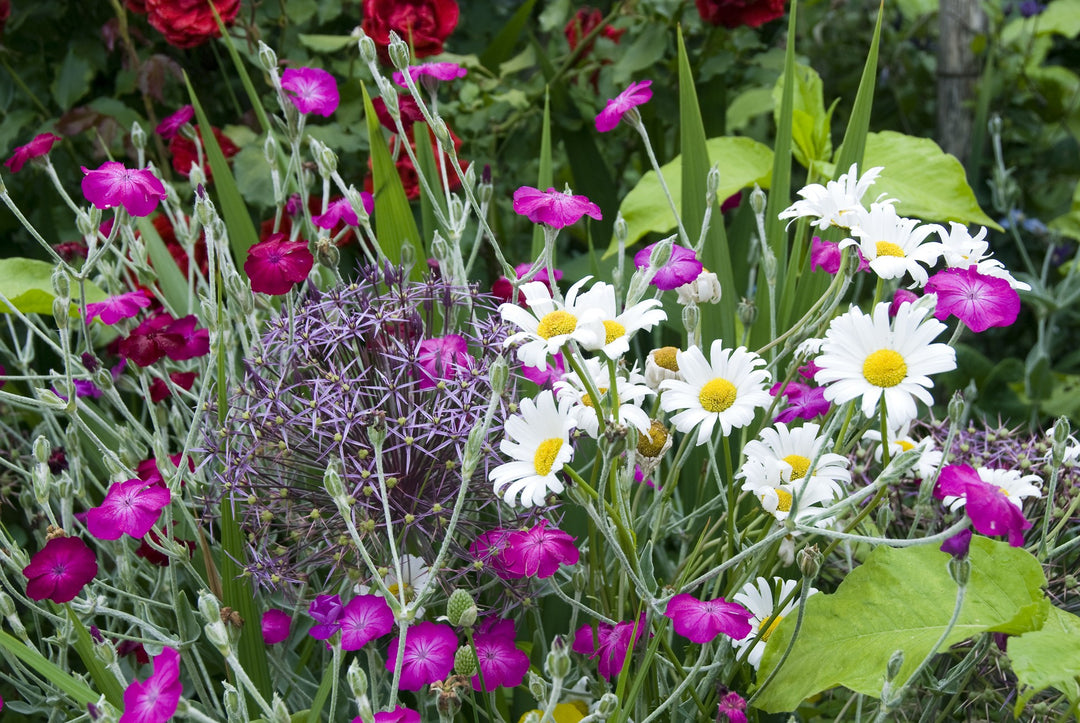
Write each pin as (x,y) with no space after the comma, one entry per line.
(394,222)
(242,235)
(70,686)
(171,281)
(425,159)
(544,178)
(103,679)
(241,70)
(502,46)
(899,599)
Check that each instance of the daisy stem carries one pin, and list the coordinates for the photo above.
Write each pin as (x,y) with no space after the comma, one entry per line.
(832,295)
(843,430)
(884,434)
(879,291)
(571,356)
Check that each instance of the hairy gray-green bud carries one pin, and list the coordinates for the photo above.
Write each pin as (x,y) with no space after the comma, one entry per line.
(499,372)
(267,57)
(399,52)
(461,609)
(609,703)
(537,686)
(138,136)
(747,311)
(218,636)
(557,664)
(960,570)
(712,182)
(661,253)
(42,449)
(758,200)
(61,282)
(621,230)
(270,150)
(357,678)
(332,482)
(1062,429)
(809,561)
(367,49)
(209,607)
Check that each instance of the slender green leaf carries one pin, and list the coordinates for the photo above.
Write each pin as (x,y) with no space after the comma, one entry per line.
(858,125)
(502,46)
(242,235)
(314,714)
(544,178)
(84,646)
(69,685)
(241,70)
(171,281)
(27,285)
(394,222)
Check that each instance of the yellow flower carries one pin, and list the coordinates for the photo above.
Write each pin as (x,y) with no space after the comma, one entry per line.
(571,712)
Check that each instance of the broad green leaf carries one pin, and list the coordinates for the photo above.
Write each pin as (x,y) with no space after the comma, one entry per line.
(929,183)
(1049,657)
(748,105)
(27,285)
(69,685)
(1069,223)
(327,43)
(743,162)
(900,599)
(811,123)
(72,80)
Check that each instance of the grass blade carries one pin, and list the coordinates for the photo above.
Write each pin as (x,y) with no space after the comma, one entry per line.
(544,178)
(172,283)
(69,685)
(502,47)
(84,646)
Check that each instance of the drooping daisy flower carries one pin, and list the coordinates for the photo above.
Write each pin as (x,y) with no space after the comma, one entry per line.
(835,203)
(538,440)
(660,365)
(630,388)
(758,597)
(547,325)
(960,249)
(893,245)
(618,328)
(871,358)
(725,391)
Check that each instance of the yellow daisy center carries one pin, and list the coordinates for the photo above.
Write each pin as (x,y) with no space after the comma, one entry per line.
(556,323)
(395,588)
(905,446)
(769,630)
(587,399)
(649,445)
(888,248)
(799,465)
(612,331)
(783,500)
(884,368)
(665,358)
(717,395)
(546,452)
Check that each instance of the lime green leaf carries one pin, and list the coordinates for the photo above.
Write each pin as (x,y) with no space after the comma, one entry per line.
(69,685)
(743,162)
(1069,224)
(1050,657)
(900,599)
(327,43)
(27,285)
(929,183)
(811,123)
(746,106)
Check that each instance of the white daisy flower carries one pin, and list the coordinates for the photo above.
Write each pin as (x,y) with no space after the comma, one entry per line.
(705,289)
(960,249)
(759,599)
(835,203)
(900,440)
(1015,486)
(618,328)
(414,576)
(893,245)
(631,390)
(538,440)
(871,358)
(660,365)
(726,391)
(547,325)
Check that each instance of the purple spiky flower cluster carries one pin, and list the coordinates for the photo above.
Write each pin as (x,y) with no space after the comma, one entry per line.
(318,383)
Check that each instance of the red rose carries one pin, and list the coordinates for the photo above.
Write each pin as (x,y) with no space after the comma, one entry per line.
(184,155)
(733,13)
(584,22)
(423,24)
(187,23)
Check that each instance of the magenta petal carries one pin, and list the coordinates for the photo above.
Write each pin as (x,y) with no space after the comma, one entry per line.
(553,208)
(60,570)
(682,267)
(311,90)
(538,552)
(275,626)
(824,255)
(701,621)
(130,507)
(275,265)
(155,699)
(429,655)
(618,106)
(363,619)
(503,665)
(978,300)
(116,308)
(112,185)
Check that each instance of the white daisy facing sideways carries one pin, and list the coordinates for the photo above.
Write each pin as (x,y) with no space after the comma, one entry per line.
(872,359)
(759,598)
(538,442)
(725,389)
(837,202)
(618,328)
(629,385)
(547,325)
(893,245)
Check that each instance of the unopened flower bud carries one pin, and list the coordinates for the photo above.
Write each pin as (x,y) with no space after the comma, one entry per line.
(399,52)
(747,311)
(809,562)
(1062,429)
(439,248)
(103,378)
(209,607)
(537,686)
(956,407)
(768,261)
(326,252)
(442,133)
(267,57)
(332,482)
(84,225)
(994,125)
(280,711)
(465,662)
(270,150)
(7,605)
(499,372)
(61,283)
(557,664)
(712,182)
(470,176)
(357,678)
(138,136)
(218,636)
(757,200)
(42,449)
(106,653)
(204,209)
(408,255)
(61,309)
(461,609)
(691,317)
(660,253)
(892,669)
(621,230)
(239,290)
(231,699)
(196,175)
(960,570)
(366,45)
(609,703)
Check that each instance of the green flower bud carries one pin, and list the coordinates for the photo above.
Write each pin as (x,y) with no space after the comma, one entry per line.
(461,609)
(747,311)
(1062,429)
(465,662)
(42,449)
(557,664)
(218,636)
(892,669)
(712,182)
(809,562)
(609,703)
(138,136)
(621,230)
(399,52)
(537,686)
(61,282)
(209,607)
(367,49)
(270,150)
(357,678)
(267,57)
(691,317)
(661,253)
(960,570)
(758,200)
(332,482)
(499,373)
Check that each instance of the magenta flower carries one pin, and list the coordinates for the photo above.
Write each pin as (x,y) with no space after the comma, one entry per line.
(553,370)
(538,552)
(901,297)
(363,619)
(681,268)
(489,549)
(503,665)
(958,544)
(169,127)
(36,148)
(618,106)
(275,626)
(978,300)
(159,390)
(311,90)
(429,655)
(341,210)
(702,620)
(397,715)
(116,308)
(825,255)
(441,358)
(155,699)
(59,570)
(132,506)
(111,185)
(553,208)
(326,611)
(275,264)
(161,336)
(989,508)
(804,401)
(732,708)
(609,643)
(438,71)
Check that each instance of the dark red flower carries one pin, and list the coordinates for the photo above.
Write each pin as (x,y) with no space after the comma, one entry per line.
(187,23)
(734,13)
(423,24)
(60,570)
(136,6)
(276,264)
(71,250)
(153,556)
(161,336)
(165,230)
(407,106)
(409,180)
(184,154)
(583,22)
(160,390)
(36,148)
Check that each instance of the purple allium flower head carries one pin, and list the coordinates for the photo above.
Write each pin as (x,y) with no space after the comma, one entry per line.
(316,390)
(155,699)
(978,300)
(326,611)
(364,618)
(36,148)
(428,657)
(311,90)
(553,208)
(111,185)
(438,71)
(489,549)
(130,507)
(275,626)
(1031,8)
(116,308)
(989,508)
(341,210)
(169,127)
(681,268)
(617,107)
(702,620)
(503,665)
(59,570)
(538,552)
